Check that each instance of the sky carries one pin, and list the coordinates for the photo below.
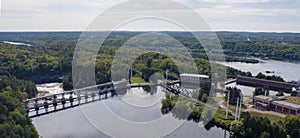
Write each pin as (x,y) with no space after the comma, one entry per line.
(220,15)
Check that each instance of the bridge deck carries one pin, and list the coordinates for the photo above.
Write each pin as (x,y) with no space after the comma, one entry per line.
(70,99)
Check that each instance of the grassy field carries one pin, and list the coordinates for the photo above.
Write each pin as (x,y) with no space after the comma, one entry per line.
(137,80)
(233,107)
(274,118)
(295,100)
(271,117)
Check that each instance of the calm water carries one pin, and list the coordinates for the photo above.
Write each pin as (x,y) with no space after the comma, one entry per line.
(17,43)
(136,114)
(288,71)
(125,116)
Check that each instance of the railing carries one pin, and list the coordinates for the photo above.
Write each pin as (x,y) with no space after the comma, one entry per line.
(69,99)
(56,102)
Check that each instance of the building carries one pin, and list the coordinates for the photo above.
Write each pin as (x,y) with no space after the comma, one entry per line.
(275,104)
(285,107)
(193,80)
(272,85)
(262,102)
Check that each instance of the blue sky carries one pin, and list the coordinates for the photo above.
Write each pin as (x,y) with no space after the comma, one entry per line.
(221,15)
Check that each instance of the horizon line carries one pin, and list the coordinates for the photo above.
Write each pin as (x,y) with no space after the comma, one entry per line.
(237,31)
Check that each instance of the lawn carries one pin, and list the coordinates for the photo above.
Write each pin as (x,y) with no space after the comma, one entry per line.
(273,118)
(137,80)
(295,100)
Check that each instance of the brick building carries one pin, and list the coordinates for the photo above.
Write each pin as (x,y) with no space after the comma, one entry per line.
(275,104)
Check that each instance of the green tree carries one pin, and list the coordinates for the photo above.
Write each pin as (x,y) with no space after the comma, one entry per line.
(13,121)
(237,127)
(234,94)
(291,123)
(261,91)
(67,82)
(204,98)
(265,135)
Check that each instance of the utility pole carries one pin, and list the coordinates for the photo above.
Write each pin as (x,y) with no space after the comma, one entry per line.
(228,97)
(237,108)
(131,74)
(240,110)
(167,71)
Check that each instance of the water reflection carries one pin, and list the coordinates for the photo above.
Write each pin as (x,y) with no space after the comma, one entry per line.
(75,123)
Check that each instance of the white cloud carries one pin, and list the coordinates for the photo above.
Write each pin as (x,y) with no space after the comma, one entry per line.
(209,1)
(256,27)
(235,1)
(77,14)
(248,1)
(230,11)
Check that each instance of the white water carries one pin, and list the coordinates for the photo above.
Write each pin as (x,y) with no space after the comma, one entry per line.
(49,88)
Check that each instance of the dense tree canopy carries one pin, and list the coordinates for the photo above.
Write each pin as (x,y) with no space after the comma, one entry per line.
(273,77)
(234,93)
(13,120)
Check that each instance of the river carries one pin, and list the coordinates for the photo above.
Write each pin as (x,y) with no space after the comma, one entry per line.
(17,43)
(109,117)
(287,70)
(136,114)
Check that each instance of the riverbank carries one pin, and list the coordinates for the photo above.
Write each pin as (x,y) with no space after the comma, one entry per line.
(252,123)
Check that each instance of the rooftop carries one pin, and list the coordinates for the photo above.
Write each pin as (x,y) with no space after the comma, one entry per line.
(264,80)
(262,97)
(287,104)
(194,75)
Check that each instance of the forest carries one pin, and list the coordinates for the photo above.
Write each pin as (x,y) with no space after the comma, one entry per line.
(51,54)
(13,121)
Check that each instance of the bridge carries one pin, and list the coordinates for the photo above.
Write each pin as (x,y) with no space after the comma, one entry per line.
(229,81)
(68,99)
(272,85)
(177,90)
